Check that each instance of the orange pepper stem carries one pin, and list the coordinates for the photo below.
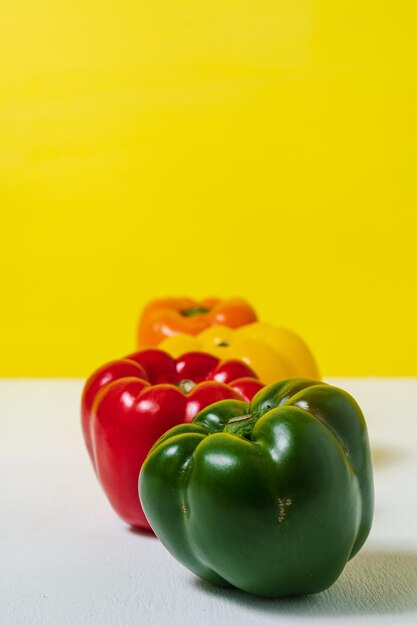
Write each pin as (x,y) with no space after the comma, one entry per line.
(196,310)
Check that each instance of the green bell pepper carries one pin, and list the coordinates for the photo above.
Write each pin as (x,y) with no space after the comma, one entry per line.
(272,497)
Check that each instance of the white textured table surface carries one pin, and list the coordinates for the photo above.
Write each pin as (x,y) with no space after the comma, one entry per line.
(66,559)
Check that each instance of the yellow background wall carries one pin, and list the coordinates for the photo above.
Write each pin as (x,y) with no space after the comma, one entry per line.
(264,149)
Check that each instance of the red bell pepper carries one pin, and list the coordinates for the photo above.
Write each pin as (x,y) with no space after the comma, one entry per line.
(129,403)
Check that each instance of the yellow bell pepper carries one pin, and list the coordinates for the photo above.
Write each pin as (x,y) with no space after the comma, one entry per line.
(272,352)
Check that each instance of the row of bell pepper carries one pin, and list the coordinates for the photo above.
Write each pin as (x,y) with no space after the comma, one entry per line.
(265,488)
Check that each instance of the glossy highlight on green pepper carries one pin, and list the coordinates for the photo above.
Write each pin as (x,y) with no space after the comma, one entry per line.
(272,497)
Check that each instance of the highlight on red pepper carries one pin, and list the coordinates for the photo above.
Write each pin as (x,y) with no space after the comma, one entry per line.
(171,316)
(129,403)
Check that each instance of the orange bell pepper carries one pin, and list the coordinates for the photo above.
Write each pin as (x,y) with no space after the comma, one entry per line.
(172,316)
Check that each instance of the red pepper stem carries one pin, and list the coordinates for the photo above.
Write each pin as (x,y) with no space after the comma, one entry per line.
(186,385)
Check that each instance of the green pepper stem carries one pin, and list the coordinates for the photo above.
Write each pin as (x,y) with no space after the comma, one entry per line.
(240,418)
(241,425)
